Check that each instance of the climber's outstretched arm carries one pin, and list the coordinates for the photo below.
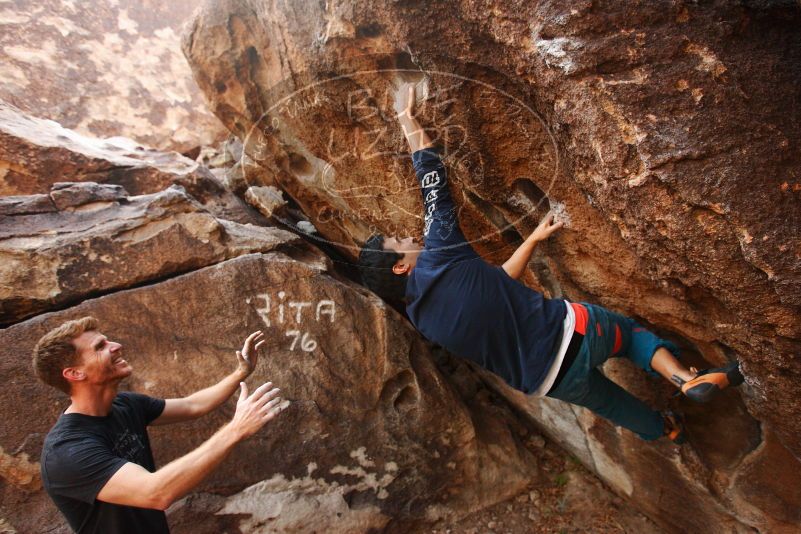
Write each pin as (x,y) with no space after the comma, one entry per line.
(416,136)
(441,228)
(515,265)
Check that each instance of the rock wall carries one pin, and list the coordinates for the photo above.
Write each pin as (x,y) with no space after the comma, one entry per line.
(85,239)
(364,444)
(36,154)
(105,68)
(666,132)
(382,433)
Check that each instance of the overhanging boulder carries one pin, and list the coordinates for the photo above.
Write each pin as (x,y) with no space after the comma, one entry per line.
(662,132)
(375,436)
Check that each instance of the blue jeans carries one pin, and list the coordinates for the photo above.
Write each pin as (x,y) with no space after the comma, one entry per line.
(585,385)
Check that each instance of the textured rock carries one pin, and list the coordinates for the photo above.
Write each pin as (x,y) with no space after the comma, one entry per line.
(267,199)
(36,154)
(97,239)
(662,131)
(108,68)
(375,436)
(26,205)
(66,195)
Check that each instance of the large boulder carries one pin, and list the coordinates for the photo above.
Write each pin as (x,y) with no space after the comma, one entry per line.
(376,437)
(661,131)
(103,69)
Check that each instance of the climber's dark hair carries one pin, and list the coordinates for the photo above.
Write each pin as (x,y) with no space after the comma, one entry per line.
(375,266)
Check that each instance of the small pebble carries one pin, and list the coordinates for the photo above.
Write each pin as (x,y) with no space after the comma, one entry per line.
(537,441)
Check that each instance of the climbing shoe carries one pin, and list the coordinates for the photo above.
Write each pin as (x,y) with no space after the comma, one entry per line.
(710,382)
(674,427)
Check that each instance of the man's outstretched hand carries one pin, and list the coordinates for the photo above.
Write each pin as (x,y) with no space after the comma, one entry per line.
(248,357)
(545,228)
(256,410)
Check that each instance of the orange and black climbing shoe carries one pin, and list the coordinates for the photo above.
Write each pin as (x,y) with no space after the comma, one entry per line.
(674,427)
(710,382)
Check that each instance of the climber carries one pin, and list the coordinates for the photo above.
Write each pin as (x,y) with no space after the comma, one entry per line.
(537,345)
(96,461)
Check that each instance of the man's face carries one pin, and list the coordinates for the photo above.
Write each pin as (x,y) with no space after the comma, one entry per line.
(99,359)
(407,246)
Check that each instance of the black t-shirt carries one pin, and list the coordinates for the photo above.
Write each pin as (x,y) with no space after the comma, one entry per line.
(82,452)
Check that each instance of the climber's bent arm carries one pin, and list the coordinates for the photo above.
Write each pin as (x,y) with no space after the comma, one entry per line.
(516,264)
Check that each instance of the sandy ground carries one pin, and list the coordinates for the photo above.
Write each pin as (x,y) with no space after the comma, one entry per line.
(566,498)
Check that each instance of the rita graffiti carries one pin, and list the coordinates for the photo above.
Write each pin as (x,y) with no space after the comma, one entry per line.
(294,317)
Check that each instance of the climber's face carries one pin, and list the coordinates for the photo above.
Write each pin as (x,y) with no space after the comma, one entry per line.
(409,248)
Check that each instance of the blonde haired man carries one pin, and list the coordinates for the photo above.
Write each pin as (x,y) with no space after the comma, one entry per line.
(96,462)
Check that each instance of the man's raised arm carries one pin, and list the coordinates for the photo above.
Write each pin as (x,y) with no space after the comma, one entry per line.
(416,136)
(133,485)
(441,222)
(204,401)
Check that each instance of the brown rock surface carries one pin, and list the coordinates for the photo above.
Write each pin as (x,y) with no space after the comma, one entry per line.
(664,133)
(96,239)
(105,68)
(376,437)
(564,497)
(36,154)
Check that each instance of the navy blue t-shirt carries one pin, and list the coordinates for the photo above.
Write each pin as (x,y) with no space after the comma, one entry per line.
(82,452)
(474,309)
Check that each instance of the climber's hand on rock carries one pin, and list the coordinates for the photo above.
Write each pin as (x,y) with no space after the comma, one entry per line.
(248,357)
(546,228)
(409,107)
(256,410)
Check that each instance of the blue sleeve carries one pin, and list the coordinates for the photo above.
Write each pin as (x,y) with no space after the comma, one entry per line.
(441,222)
